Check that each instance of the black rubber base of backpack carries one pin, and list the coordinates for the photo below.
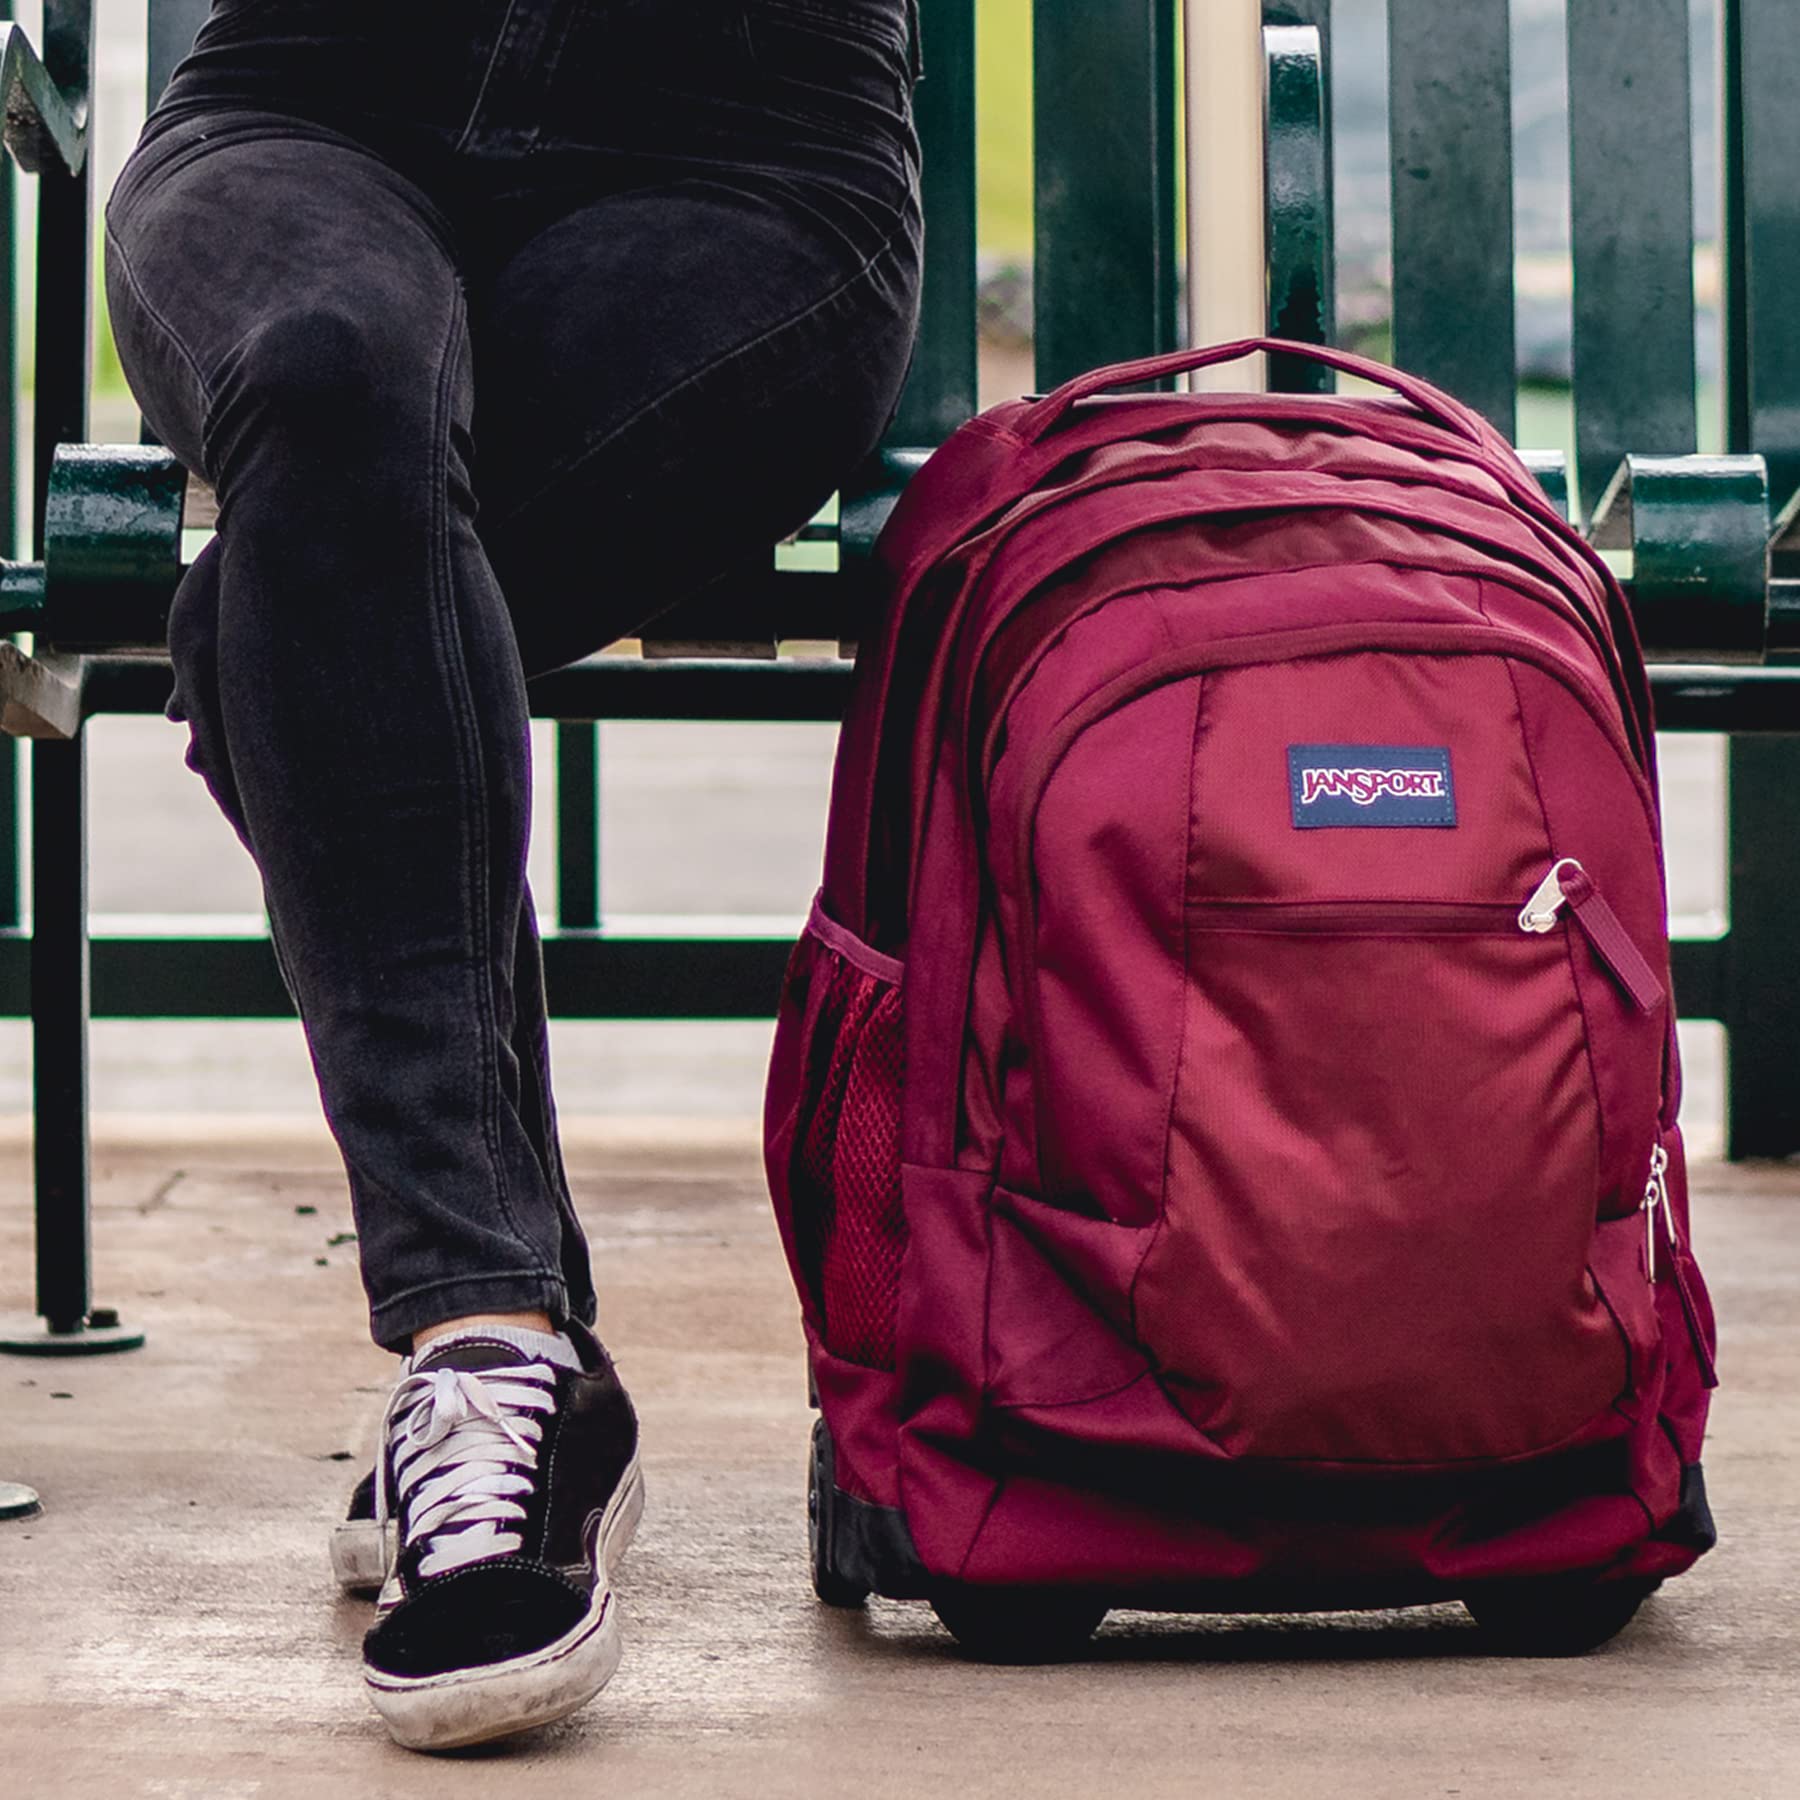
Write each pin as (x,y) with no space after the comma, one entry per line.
(992,1626)
(833,1584)
(1557,1616)
(1017,1625)
(858,1549)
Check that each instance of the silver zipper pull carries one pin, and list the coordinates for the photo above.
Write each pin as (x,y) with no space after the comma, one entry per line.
(1656,1199)
(1539,912)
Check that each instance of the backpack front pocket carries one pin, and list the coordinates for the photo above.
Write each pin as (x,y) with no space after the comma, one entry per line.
(1379,1210)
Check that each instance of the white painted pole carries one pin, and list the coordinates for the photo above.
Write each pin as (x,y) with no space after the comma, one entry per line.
(1227,282)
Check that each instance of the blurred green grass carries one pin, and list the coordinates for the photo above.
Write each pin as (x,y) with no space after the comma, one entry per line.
(1003,127)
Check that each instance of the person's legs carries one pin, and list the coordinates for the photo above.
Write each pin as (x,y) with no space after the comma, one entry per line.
(291,316)
(290,312)
(643,425)
(674,368)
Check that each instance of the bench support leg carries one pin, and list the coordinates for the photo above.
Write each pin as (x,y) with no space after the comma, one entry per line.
(578,827)
(1762,989)
(69,1323)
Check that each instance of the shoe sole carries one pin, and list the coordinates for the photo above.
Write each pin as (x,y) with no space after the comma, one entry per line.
(474,1706)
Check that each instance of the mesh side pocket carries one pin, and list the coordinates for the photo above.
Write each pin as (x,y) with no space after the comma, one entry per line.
(844,1178)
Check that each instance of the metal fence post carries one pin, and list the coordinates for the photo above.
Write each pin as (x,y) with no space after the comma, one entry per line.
(70,1324)
(1450,111)
(1762,960)
(1103,278)
(9,512)
(1759,63)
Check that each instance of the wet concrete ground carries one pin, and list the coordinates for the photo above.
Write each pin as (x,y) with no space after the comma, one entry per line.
(170,1628)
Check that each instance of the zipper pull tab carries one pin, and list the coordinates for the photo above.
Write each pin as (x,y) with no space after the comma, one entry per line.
(1539,912)
(1656,1199)
(1569,884)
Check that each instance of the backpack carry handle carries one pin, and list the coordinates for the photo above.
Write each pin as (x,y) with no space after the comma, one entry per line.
(1437,406)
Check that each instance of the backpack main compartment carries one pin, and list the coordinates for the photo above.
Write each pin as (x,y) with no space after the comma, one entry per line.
(1204,1172)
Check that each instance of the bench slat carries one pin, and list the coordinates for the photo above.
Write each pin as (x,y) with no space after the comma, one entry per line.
(1104,105)
(174,24)
(1302,278)
(1450,112)
(1632,190)
(1761,142)
(941,392)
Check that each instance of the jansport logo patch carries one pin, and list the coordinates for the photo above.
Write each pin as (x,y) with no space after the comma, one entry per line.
(1371,785)
(1366,786)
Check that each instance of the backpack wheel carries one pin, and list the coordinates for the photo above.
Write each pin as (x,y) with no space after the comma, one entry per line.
(1557,1615)
(833,1588)
(1011,1625)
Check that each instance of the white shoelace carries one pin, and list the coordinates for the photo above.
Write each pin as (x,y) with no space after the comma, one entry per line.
(462,1446)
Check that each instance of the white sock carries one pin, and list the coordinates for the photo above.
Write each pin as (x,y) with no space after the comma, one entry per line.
(540,1346)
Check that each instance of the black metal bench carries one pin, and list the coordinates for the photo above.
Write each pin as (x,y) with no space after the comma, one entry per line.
(1717,611)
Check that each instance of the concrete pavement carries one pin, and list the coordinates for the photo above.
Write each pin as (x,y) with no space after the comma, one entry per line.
(169,1626)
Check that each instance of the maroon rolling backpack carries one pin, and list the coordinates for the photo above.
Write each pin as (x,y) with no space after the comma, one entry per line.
(1222,1121)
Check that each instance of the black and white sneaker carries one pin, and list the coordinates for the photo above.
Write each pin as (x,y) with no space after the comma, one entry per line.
(515,1487)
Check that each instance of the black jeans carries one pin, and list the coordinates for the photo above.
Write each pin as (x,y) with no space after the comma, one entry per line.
(497,327)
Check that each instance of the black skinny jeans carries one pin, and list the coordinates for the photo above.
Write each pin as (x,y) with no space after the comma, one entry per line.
(497,327)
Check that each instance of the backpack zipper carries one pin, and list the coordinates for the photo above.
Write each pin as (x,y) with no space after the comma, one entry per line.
(1359,918)
(1656,1201)
(1569,884)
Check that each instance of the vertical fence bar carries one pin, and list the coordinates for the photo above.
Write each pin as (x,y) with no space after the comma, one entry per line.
(59,1014)
(1302,300)
(63,364)
(59,931)
(1632,193)
(577,826)
(1104,100)
(174,24)
(1317,13)
(1760,138)
(941,393)
(1759,69)
(9,509)
(1762,965)
(9,423)
(1450,121)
